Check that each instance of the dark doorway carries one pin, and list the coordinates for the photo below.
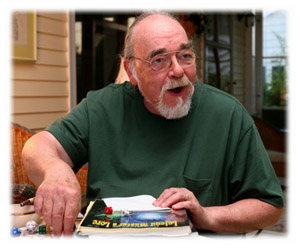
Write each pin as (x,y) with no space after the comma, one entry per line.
(99,43)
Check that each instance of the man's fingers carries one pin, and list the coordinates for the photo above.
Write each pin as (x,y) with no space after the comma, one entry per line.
(164,196)
(47,210)
(38,204)
(172,196)
(175,198)
(188,205)
(69,222)
(72,209)
(58,217)
(71,212)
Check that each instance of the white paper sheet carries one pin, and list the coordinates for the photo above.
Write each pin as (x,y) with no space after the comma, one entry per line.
(134,203)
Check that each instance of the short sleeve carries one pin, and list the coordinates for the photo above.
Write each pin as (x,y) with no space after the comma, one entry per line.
(252,174)
(72,133)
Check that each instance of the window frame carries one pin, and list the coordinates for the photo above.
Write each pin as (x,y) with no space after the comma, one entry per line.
(214,44)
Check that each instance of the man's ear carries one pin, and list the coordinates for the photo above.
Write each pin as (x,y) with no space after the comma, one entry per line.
(129,73)
(122,74)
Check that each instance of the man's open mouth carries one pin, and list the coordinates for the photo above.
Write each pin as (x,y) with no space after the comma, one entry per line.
(176,90)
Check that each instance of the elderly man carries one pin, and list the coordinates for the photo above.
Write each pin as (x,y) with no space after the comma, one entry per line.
(163,133)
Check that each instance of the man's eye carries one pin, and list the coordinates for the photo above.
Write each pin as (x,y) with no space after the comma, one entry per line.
(159,60)
(186,56)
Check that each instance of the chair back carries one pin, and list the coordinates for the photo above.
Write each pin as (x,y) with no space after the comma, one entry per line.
(19,135)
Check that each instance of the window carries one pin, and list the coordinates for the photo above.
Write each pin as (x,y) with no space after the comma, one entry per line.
(274,68)
(218,66)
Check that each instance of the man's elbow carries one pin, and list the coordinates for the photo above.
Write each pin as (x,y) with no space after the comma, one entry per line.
(278,211)
(27,153)
(34,150)
(274,215)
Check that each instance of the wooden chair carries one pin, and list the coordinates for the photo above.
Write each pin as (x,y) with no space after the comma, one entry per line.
(19,135)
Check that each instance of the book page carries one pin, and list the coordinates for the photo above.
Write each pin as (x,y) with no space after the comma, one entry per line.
(134,203)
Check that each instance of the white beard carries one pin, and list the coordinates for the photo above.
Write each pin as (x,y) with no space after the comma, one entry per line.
(176,112)
(180,110)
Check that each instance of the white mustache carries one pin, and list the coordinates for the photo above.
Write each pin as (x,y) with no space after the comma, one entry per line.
(172,84)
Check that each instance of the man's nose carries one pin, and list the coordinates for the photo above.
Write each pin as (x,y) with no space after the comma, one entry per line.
(176,71)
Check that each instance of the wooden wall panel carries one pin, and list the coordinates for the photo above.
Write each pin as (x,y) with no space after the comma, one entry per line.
(52,58)
(29,88)
(40,91)
(38,72)
(39,105)
(60,16)
(50,26)
(46,41)
(37,121)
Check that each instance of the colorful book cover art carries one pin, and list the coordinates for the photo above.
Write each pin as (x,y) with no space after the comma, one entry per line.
(97,218)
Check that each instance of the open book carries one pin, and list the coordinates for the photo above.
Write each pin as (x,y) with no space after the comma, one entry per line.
(142,218)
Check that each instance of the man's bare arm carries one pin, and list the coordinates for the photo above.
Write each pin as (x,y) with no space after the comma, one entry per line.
(58,197)
(240,217)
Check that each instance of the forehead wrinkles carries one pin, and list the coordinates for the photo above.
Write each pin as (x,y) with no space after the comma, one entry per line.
(154,31)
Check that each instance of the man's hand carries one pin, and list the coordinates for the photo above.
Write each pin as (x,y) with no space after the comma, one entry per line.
(58,200)
(182,198)
(240,217)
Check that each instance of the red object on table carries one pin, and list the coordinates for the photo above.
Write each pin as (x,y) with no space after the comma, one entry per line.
(108,210)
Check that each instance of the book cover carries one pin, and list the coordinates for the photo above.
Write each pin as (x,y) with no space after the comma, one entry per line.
(164,223)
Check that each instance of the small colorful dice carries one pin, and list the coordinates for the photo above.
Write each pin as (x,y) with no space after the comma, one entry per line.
(108,210)
(42,229)
(48,228)
(32,227)
(15,232)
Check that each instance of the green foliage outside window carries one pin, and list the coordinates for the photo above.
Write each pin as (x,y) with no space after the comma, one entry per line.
(275,91)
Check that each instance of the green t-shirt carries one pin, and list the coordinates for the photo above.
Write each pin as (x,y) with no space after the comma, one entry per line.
(215,151)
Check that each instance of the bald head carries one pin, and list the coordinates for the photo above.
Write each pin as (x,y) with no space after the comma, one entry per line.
(145,26)
(156,32)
